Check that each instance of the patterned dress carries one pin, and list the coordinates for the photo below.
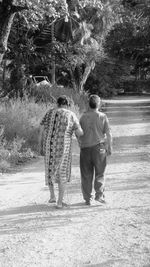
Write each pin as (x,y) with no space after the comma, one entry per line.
(59,125)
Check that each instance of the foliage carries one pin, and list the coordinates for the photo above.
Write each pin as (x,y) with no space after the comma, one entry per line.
(20,121)
(34,10)
(12,153)
(130,39)
(79,35)
(21,118)
(47,93)
(88,23)
(106,78)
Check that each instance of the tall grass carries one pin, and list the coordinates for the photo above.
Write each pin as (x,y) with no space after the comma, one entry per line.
(46,93)
(20,122)
(21,119)
(78,99)
(19,130)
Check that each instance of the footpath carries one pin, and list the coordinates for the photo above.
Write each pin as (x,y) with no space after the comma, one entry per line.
(34,233)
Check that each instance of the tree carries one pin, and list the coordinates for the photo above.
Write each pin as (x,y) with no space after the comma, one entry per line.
(130,39)
(98,17)
(106,78)
(35,11)
(95,19)
(87,23)
(7,13)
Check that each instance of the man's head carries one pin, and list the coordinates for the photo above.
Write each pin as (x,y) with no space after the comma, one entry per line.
(94,101)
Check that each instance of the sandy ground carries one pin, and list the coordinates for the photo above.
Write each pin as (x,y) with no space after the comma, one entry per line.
(34,233)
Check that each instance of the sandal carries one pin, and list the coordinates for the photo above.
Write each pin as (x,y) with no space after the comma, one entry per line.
(61,206)
(52,200)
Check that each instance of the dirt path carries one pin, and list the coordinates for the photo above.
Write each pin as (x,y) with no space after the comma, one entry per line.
(33,233)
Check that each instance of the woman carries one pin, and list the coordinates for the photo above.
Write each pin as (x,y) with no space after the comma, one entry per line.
(58,126)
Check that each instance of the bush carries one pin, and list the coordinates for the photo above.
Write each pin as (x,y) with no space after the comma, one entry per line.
(11,153)
(75,97)
(44,92)
(20,125)
(20,119)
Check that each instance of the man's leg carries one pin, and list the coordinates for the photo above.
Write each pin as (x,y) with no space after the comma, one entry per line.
(99,161)
(87,171)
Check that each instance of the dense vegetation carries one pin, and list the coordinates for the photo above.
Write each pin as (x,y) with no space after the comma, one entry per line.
(75,44)
(63,42)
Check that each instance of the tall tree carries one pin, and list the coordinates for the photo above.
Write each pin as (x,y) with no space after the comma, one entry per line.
(94,20)
(7,13)
(36,10)
(129,40)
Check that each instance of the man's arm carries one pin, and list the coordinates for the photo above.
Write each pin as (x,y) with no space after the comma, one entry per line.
(107,131)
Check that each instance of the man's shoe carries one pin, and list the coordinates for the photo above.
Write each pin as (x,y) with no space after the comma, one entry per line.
(100,199)
(88,202)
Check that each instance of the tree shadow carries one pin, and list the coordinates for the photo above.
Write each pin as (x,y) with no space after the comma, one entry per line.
(130,149)
(107,263)
(125,184)
(128,104)
(32,218)
(116,182)
(118,120)
(139,140)
(124,114)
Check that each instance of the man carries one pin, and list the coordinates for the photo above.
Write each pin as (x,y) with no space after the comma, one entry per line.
(95,144)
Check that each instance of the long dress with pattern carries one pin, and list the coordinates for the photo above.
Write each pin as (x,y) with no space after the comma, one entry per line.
(59,124)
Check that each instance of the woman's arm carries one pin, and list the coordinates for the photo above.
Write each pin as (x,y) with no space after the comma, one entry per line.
(78,131)
(77,127)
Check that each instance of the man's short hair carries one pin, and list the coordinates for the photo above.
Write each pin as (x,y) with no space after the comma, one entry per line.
(94,101)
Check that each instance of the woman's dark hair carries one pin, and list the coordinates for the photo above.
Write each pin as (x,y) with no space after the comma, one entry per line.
(62,101)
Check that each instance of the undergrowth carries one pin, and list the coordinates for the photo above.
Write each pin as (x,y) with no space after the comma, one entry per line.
(19,129)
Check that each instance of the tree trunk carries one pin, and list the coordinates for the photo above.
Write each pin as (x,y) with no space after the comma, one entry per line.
(86,74)
(53,71)
(4,74)
(5,27)
(53,81)
(7,13)
(73,80)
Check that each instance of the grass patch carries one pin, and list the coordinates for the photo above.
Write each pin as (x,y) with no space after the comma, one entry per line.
(47,93)
(19,129)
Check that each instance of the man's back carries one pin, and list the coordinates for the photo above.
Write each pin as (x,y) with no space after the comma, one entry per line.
(95,126)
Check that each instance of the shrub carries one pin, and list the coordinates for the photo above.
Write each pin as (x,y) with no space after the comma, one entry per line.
(12,153)
(20,119)
(44,92)
(20,124)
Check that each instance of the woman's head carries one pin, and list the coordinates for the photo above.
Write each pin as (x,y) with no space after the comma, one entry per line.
(62,101)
